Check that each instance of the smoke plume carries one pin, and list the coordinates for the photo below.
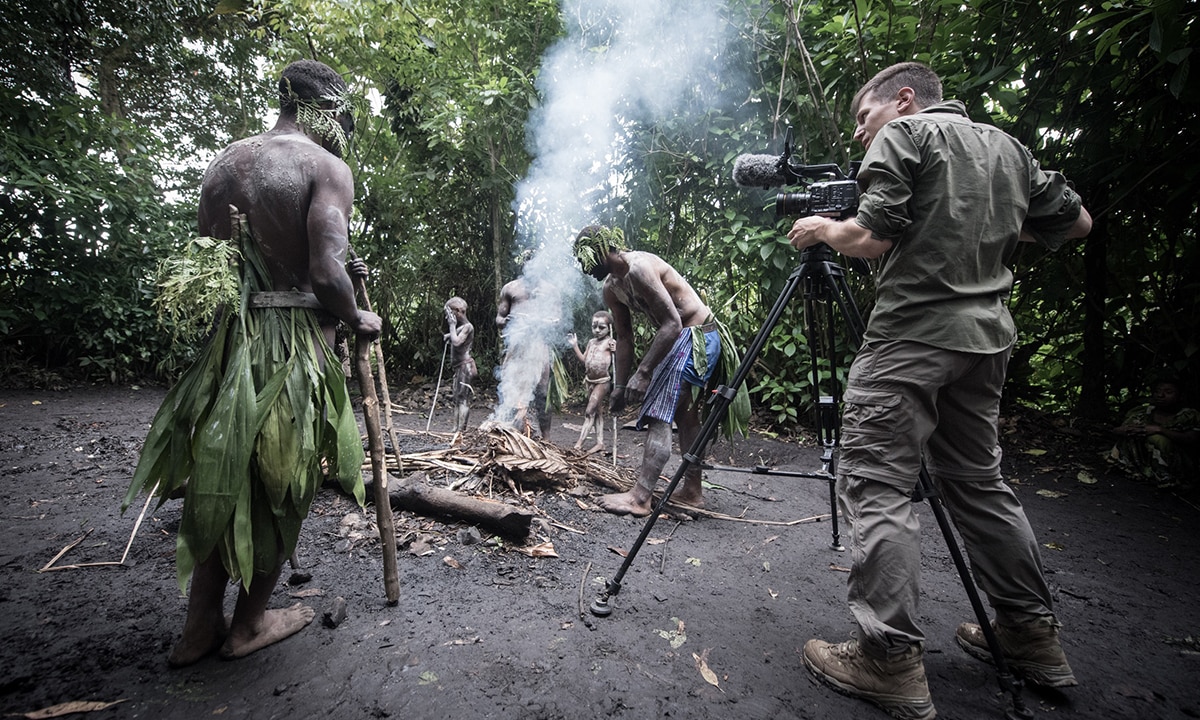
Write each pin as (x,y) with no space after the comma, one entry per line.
(622,63)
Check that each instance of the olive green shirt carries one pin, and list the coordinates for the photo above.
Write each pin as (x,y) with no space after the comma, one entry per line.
(953,196)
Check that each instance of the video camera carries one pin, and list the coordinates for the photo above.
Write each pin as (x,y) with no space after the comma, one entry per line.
(828,190)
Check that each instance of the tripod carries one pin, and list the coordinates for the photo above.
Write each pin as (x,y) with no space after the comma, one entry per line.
(821,280)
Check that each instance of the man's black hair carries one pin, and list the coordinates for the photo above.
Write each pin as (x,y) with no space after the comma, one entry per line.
(308,80)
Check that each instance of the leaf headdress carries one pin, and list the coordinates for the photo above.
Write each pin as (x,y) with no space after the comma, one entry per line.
(595,242)
(323,121)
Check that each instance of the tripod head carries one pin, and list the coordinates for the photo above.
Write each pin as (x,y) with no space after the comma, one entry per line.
(814,255)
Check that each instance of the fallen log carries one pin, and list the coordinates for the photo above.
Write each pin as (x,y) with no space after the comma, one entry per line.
(416,495)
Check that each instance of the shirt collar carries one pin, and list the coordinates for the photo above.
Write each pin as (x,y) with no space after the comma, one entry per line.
(953,107)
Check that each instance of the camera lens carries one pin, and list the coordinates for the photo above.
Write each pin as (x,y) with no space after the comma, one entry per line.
(791,204)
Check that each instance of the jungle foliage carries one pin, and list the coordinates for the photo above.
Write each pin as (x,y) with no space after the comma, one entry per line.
(114,109)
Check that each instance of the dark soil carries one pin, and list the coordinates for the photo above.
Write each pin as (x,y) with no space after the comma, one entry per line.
(484,631)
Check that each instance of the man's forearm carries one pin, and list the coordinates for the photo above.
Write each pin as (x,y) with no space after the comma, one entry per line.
(845,236)
(852,240)
(333,288)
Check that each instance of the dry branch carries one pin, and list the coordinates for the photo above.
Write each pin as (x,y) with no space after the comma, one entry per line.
(505,454)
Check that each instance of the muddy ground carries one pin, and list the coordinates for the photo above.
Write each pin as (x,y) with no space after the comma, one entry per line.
(484,631)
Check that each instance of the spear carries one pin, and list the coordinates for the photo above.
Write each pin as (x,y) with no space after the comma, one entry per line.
(383,503)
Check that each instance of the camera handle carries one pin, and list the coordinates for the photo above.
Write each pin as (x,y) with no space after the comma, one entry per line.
(821,280)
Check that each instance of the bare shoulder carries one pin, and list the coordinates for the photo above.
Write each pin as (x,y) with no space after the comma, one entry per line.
(514,290)
(644,261)
(273,157)
(647,268)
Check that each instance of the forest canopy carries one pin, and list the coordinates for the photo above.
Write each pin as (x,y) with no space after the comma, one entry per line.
(489,130)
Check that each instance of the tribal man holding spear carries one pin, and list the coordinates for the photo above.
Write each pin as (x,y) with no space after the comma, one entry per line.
(246,428)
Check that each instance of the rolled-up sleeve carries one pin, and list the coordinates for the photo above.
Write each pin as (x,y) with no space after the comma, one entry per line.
(1053,207)
(886,179)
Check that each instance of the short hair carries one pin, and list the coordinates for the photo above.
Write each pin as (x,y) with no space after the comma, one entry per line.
(925,84)
(308,80)
(604,314)
(457,303)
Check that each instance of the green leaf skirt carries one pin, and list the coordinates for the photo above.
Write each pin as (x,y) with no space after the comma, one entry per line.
(244,432)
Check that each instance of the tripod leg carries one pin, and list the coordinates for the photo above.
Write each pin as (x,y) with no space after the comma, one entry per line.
(695,454)
(836,543)
(1008,682)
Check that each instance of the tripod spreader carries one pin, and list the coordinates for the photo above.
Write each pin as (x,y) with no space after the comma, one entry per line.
(826,473)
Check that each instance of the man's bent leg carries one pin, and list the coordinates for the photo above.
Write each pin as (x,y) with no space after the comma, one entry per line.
(885,665)
(687,419)
(885,548)
(1002,548)
(654,459)
(254,626)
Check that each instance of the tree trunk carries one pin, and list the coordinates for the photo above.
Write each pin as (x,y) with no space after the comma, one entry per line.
(1093,390)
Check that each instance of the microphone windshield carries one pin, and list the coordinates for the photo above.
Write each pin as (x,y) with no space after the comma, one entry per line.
(763,171)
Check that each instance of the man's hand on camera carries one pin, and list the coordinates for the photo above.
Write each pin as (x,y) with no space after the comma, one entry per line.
(806,231)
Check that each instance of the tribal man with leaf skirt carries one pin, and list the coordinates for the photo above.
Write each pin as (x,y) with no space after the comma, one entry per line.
(244,432)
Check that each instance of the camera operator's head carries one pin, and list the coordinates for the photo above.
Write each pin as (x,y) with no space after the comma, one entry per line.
(902,89)
(594,244)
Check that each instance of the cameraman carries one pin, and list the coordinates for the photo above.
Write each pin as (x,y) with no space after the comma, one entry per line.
(944,202)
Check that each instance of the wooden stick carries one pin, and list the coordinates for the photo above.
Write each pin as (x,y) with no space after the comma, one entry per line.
(50,566)
(383,505)
(388,425)
(416,495)
(438,389)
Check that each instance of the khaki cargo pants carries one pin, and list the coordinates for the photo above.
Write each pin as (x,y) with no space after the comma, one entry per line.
(904,401)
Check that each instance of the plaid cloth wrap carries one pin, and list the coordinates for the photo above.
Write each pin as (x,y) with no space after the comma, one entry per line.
(662,396)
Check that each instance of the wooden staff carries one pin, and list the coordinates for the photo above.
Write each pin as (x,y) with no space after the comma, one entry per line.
(388,425)
(438,389)
(383,505)
(612,365)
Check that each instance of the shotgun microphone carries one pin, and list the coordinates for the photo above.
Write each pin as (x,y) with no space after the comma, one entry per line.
(764,171)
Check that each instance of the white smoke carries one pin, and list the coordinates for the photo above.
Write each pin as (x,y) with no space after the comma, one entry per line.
(621,62)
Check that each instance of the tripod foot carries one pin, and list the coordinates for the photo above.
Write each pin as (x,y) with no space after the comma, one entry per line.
(600,607)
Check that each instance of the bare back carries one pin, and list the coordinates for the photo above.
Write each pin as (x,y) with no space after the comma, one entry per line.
(277,179)
(297,197)
(512,296)
(654,288)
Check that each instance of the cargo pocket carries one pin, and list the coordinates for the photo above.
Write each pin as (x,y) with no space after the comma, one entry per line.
(871,420)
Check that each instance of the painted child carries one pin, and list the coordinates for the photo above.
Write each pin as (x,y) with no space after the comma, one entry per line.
(461,336)
(597,361)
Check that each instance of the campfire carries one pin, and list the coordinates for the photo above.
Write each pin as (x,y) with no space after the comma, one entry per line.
(498,454)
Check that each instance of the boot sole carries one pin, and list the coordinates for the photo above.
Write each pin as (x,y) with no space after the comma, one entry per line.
(898,707)
(1051,676)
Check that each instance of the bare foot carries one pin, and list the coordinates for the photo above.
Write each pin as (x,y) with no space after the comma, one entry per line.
(199,639)
(274,626)
(598,447)
(624,504)
(684,496)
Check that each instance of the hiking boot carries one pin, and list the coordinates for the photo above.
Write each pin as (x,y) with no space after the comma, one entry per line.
(897,686)
(1031,651)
